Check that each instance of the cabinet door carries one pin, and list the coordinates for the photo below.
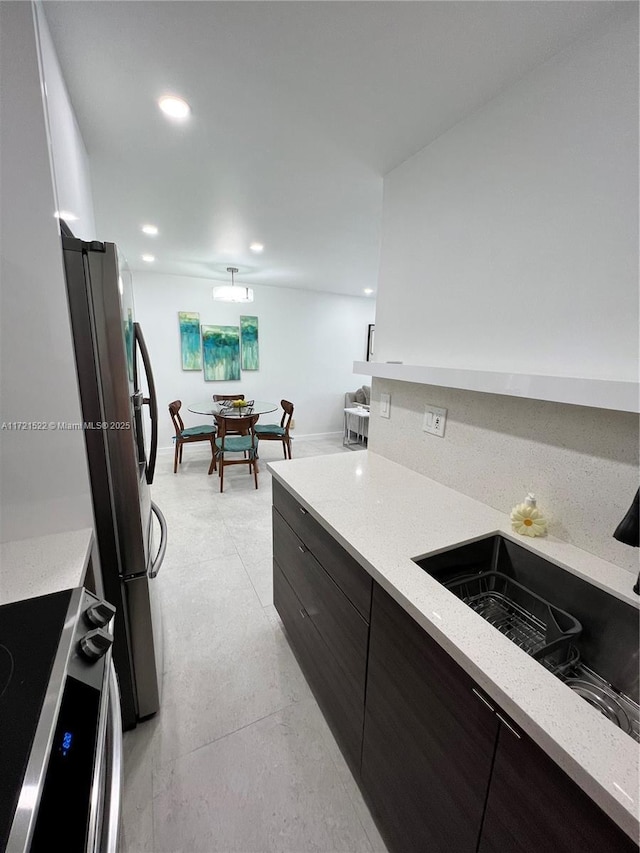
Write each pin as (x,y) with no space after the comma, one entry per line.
(348,575)
(341,703)
(533,806)
(337,621)
(428,738)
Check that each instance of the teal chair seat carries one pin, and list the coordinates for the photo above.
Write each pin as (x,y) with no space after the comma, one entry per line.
(270,429)
(203,429)
(235,443)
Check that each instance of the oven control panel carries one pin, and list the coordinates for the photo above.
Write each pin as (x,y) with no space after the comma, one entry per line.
(54,763)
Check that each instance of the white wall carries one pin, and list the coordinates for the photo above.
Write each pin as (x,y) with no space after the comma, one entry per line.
(513,238)
(44,485)
(308,343)
(69,156)
(513,241)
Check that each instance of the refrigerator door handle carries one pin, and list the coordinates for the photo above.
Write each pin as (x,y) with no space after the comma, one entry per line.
(157,563)
(151,401)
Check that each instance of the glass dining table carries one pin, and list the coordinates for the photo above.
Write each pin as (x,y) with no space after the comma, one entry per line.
(230,413)
(209,407)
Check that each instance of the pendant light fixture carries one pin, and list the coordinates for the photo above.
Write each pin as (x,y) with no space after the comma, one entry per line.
(231,293)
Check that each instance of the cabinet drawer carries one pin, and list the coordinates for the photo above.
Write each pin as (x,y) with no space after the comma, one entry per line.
(352,579)
(342,628)
(341,704)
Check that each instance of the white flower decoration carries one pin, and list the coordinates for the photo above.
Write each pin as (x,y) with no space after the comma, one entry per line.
(528,520)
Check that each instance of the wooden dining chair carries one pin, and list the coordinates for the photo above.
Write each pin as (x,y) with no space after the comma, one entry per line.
(220,398)
(273,432)
(246,444)
(203,432)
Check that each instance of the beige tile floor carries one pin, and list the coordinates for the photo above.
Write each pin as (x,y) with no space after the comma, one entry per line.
(239,758)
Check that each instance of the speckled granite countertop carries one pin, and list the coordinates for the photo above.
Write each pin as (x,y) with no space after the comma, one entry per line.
(44,564)
(384,514)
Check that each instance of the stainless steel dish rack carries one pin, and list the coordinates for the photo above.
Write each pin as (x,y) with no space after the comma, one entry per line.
(543,631)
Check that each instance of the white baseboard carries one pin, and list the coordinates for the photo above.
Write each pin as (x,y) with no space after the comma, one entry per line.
(316,435)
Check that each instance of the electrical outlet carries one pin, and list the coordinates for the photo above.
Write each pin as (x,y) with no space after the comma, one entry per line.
(385,405)
(292,424)
(435,420)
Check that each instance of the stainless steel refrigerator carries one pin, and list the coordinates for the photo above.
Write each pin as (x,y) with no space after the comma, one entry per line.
(119,407)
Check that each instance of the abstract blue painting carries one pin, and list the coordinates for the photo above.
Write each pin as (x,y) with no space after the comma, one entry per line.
(249,341)
(221,352)
(190,343)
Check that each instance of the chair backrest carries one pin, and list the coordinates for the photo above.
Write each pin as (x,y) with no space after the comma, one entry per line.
(217,398)
(288,413)
(174,411)
(234,426)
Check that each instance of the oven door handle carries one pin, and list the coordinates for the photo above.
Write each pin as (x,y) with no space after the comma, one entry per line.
(107,784)
(97,801)
(114,768)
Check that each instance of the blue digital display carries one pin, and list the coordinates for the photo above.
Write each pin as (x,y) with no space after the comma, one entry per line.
(67,740)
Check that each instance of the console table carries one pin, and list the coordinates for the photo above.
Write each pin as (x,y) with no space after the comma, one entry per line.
(355,417)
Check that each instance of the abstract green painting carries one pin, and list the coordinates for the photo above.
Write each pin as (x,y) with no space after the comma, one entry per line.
(190,343)
(221,352)
(249,341)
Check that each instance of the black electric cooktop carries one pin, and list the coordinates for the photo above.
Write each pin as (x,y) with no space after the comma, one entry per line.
(29,636)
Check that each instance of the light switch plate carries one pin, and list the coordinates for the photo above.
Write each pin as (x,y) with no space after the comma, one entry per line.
(435,420)
(385,405)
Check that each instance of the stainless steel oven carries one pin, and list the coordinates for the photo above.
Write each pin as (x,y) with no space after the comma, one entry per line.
(60,726)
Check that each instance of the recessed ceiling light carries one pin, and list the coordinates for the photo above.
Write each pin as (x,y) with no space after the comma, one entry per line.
(150,229)
(148,258)
(256,247)
(368,291)
(66,215)
(174,107)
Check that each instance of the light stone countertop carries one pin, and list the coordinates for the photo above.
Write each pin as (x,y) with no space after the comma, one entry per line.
(384,514)
(44,564)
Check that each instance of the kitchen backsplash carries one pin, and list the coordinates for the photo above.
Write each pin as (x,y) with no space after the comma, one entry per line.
(581,463)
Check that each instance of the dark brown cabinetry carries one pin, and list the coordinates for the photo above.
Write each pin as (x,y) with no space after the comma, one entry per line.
(534,806)
(341,705)
(329,630)
(443,768)
(428,738)
(446,770)
(347,574)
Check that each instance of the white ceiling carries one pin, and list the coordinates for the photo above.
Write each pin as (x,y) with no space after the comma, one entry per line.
(298,110)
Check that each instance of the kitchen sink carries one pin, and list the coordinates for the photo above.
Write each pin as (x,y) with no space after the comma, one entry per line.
(587,637)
